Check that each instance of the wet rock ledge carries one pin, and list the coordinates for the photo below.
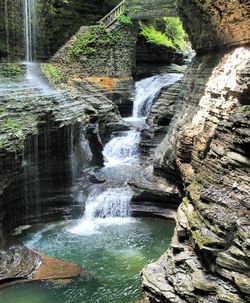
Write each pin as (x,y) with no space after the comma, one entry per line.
(43,145)
(20,264)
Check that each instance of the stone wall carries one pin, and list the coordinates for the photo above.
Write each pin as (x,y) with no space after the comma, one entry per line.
(95,51)
(59,20)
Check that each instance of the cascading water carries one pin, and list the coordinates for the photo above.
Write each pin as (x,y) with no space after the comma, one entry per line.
(113,204)
(102,205)
(122,150)
(147,91)
(29,28)
(110,206)
(33,72)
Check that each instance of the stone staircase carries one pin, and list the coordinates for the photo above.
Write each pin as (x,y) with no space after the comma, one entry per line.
(113,15)
(110,22)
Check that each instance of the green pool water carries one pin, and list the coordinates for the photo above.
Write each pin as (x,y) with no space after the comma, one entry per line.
(114,253)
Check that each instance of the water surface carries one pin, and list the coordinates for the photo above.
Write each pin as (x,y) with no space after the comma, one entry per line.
(114,256)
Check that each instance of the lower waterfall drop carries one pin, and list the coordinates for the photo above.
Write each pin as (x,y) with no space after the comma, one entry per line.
(112,206)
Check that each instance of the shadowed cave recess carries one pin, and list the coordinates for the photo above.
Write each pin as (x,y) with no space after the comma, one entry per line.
(124,151)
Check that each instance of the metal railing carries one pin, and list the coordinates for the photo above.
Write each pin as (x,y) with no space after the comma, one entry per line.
(112,16)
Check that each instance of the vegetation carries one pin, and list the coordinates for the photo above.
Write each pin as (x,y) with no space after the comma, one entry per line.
(175,31)
(171,33)
(124,19)
(13,71)
(244,108)
(154,36)
(92,39)
(51,72)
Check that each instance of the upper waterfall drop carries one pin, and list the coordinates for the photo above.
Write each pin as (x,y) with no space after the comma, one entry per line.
(147,91)
(29,28)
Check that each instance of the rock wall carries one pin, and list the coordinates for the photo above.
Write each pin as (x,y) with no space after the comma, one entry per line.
(11,29)
(207,147)
(208,143)
(43,146)
(55,23)
(152,59)
(215,24)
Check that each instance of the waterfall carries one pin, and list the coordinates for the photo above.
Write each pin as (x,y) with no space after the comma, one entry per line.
(113,203)
(29,28)
(111,206)
(6,16)
(122,150)
(147,90)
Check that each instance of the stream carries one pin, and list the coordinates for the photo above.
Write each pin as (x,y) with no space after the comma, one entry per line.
(113,258)
(107,241)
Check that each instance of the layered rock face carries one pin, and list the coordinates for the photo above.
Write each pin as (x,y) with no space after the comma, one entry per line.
(207,145)
(215,24)
(209,256)
(43,147)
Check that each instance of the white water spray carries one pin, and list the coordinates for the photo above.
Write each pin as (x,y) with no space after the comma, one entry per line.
(147,91)
(111,206)
(122,150)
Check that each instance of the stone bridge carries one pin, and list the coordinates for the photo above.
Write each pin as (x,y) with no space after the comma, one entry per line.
(141,10)
(148,9)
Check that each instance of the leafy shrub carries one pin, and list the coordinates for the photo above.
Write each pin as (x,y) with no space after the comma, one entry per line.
(171,35)
(154,36)
(124,19)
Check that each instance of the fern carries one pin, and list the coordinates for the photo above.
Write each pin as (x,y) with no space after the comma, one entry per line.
(172,36)
(154,36)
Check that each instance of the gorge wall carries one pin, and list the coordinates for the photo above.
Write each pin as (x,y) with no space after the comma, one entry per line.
(208,147)
(55,23)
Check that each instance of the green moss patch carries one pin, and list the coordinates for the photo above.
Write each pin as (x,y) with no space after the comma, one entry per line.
(94,38)
(12,71)
(52,73)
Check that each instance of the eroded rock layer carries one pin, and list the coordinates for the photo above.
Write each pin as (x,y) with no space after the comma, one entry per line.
(208,260)
(215,24)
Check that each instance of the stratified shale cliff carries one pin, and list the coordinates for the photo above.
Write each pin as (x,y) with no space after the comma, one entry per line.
(208,146)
